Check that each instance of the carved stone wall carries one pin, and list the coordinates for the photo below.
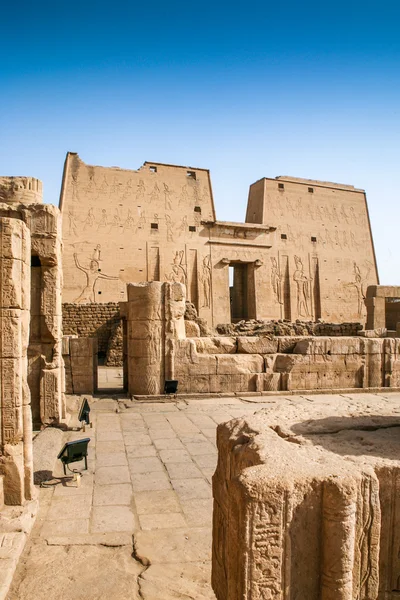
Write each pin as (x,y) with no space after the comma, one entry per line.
(15,411)
(305,504)
(155,321)
(45,364)
(323,258)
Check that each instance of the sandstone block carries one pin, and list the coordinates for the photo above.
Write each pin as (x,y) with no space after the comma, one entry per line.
(205,364)
(229,364)
(287,344)
(82,347)
(257,345)
(216,345)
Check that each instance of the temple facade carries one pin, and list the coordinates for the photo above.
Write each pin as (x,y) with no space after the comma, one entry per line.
(304,252)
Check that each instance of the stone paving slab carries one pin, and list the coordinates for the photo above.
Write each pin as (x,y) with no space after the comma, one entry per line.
(188,544)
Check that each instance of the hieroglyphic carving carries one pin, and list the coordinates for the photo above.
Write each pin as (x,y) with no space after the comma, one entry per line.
(170,228)
(303,288)
(267,548)
(206,281)
(92,274)
(276,280)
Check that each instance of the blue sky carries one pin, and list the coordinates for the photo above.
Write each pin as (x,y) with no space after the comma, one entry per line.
(310,89)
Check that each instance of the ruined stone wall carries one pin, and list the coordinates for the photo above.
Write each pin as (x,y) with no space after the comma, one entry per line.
(323,258)
(93,320)
(257,364)
(154,224)
(282,328)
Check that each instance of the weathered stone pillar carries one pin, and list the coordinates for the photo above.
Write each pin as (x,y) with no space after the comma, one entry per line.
(15,413)
(154,321)
(145,338)
(291,521)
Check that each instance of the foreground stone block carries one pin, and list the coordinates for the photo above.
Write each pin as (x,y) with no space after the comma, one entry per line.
(307,508)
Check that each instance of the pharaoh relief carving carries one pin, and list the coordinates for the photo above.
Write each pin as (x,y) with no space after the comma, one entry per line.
(92,274)
(276,280)
(360,283)
(303,283)
(205,278)
(178,273)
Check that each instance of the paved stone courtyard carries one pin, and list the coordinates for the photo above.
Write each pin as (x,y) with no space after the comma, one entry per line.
(139,525)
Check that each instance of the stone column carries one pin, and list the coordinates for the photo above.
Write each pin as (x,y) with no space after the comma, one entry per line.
(154,321)
(15,412)
(145,338)
(288,524)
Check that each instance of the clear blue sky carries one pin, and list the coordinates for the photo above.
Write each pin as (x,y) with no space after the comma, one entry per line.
(246,89)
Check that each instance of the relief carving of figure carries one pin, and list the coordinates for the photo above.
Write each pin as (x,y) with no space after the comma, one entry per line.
(141,189)
(92,274)
(276,280)
(75,190)
(358,283)
(71,223)
(142,220)
(103,221)
(130,221)
(184,197)
(206,281)
(91,186)
(116,222)
(90,219)
(104,185)
(183,226)
(178,273)
(155,193)
(303,291)
(167,196)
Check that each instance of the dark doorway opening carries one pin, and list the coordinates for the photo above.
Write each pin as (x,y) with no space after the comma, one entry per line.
(242,291)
